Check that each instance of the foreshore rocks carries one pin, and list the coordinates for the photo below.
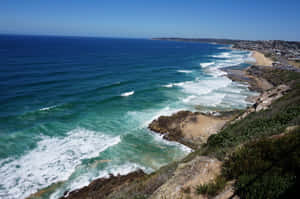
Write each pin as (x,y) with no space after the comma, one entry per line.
(187,176)
(102,187)
(190,128)
(170,127)
(258,80)
(252,76)
(264,101)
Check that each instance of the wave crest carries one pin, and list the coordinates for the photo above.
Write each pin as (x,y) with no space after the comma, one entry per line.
(204,65)
(185,71)
(126,94)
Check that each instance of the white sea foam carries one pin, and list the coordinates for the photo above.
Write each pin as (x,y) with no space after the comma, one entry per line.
(204,86)
(185,71)
(221,48)
(47,108)
(54,159)
(216,71)
(204,65)
(217,90)
(154,114)
(159,138)
(168,85)
(222,55)
(145,117)
(173,84)
(189,98)
(180,83)
(126,94)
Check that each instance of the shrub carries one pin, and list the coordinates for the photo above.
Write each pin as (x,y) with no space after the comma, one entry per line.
(266,168)
(213,187)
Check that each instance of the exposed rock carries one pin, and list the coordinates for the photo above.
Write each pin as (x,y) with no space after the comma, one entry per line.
(102,187)
(265,100)
(252,75)
(200,170)
(188,128)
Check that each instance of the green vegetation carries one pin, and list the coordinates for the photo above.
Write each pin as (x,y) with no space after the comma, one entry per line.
(213,187)
(277,76)
(267,168)
(259,160)
(283,113)
(256,161)
(262,162)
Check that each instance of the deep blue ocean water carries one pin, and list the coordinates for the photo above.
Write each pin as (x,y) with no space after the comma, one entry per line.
(74,109)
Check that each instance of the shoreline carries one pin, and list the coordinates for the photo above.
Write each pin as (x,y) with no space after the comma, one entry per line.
(189,171)
(184,130)
(182,127)
(192,129)
(176,179)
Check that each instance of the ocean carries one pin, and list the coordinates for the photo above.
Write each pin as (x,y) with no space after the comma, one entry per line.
(73,109)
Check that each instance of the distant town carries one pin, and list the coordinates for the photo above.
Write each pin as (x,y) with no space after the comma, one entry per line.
(283,53)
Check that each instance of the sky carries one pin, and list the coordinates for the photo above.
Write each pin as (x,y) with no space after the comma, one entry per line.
(232,19)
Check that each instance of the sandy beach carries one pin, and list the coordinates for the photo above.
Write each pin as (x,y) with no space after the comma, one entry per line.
(261,59)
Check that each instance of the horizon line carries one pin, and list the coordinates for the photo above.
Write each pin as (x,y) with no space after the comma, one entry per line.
(116,37)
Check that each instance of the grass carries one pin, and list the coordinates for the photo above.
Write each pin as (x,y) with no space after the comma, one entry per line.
(212,188)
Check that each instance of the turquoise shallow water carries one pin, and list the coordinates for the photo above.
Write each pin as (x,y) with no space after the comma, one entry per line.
(75,109)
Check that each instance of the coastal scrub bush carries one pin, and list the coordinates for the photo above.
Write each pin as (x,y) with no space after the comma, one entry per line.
(263,162)
(267,168)
(283,112)
(276,76)
(212,188)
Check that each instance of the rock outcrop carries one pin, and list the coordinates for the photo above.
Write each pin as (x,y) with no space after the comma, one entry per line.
(252,75)
(200,170)
(102,187)
(265,100)
(189,128)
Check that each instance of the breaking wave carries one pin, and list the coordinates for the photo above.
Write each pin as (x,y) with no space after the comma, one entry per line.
(126,94)
(53,160)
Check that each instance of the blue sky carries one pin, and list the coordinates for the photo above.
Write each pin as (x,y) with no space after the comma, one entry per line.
(237,19)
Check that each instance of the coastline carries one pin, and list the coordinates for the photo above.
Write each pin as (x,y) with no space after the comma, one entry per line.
(180,127)
(197,169)
(188,123)
(191,129)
